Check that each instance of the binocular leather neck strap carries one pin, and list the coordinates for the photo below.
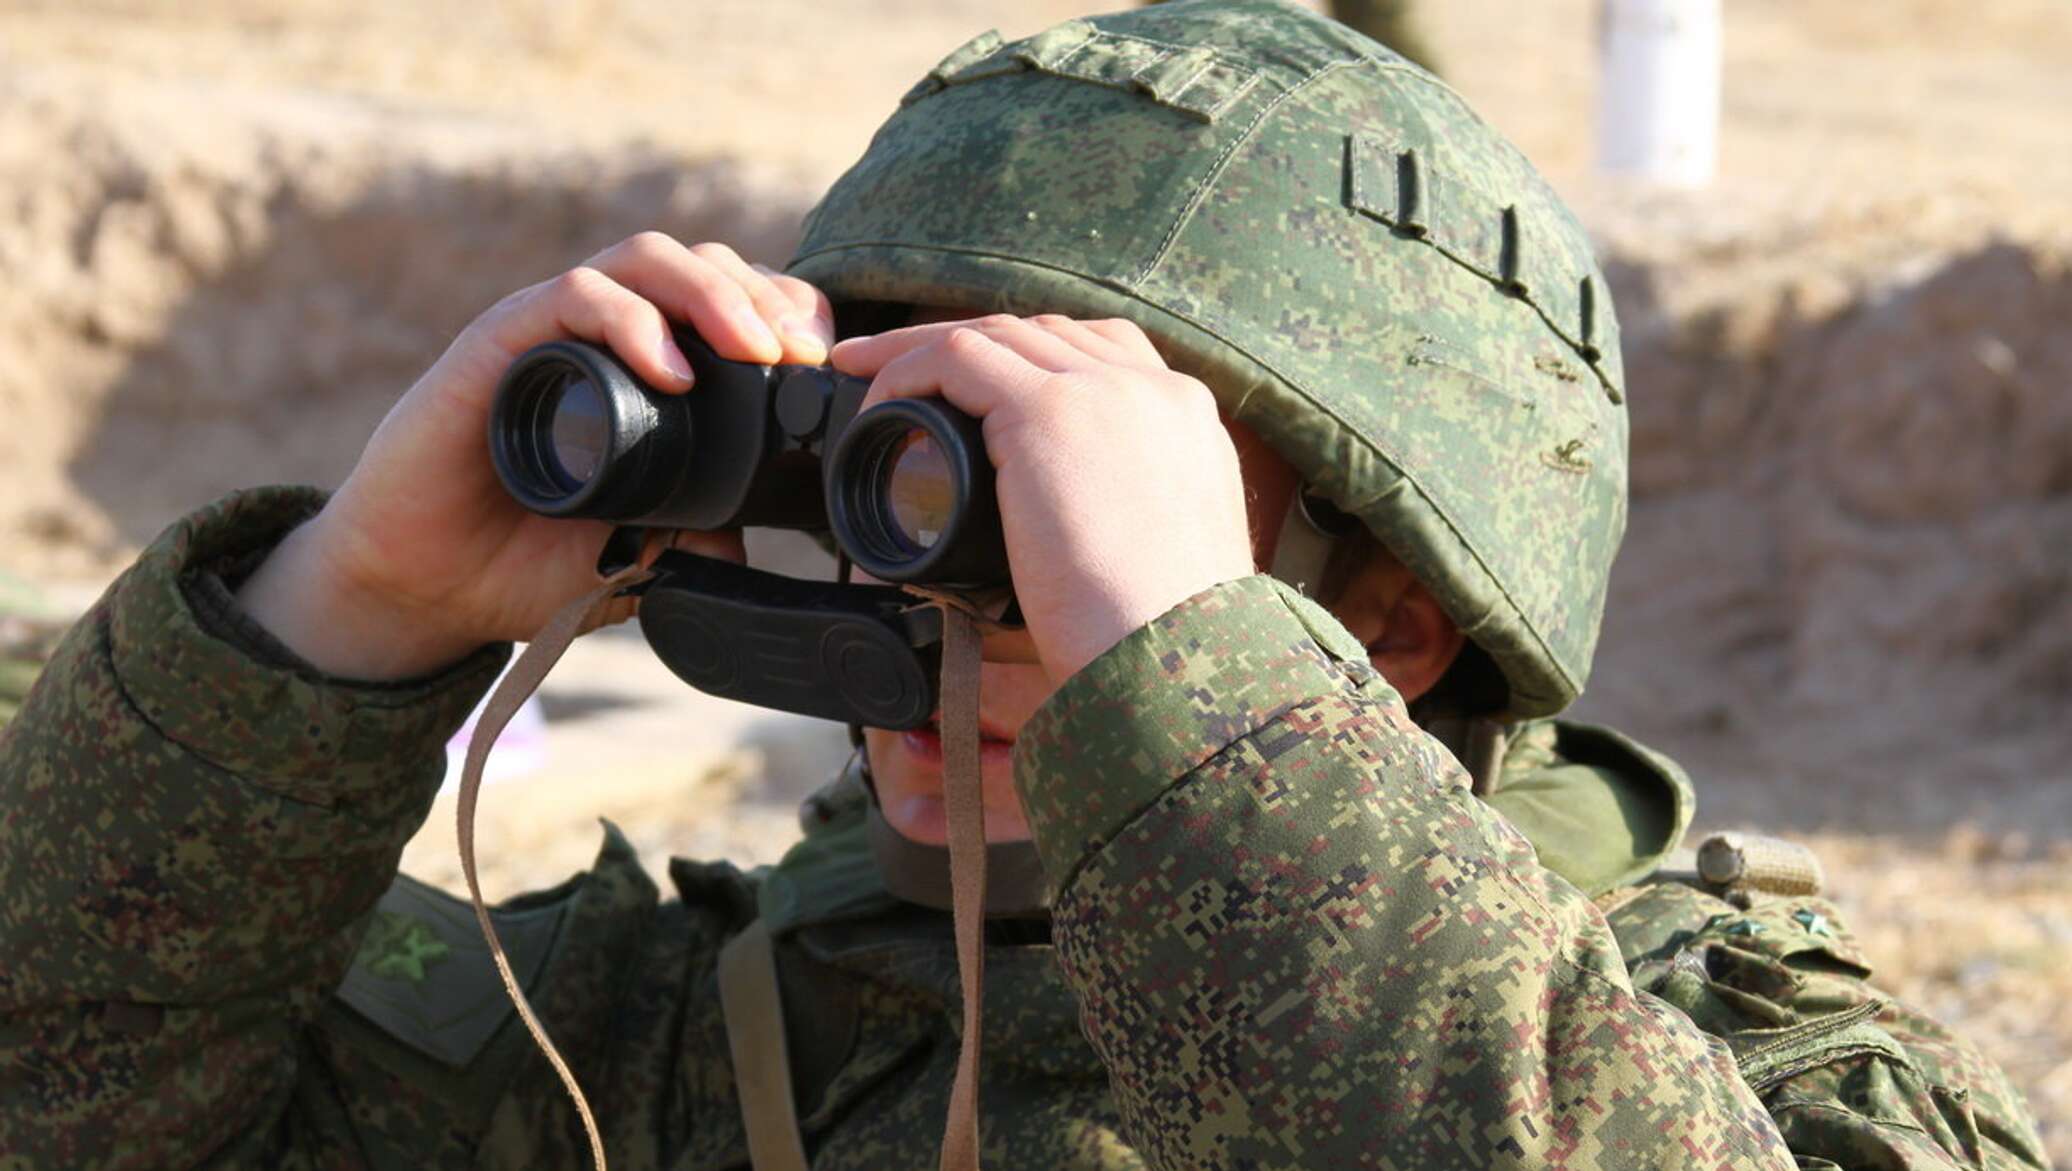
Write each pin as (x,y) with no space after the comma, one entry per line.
(517,686)
(964,808)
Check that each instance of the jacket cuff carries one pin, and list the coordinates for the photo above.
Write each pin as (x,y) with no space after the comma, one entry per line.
(1170,696)
(233,696)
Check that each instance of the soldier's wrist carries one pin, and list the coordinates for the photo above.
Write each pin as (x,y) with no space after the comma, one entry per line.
(305,596)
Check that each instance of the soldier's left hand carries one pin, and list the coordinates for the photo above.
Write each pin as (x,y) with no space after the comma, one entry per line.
(1119,487)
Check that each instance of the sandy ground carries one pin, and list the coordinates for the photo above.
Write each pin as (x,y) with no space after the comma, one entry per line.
(232,230)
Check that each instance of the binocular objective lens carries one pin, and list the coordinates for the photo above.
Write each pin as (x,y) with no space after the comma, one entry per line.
(578,430)
(919,493)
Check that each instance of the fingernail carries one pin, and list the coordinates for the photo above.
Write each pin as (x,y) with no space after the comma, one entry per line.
(804,338)
(674,361)
(757,331)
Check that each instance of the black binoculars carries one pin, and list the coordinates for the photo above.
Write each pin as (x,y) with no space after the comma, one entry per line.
(904,487)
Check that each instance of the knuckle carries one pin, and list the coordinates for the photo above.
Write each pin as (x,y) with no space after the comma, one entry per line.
(965,339)
(713,252)
(651,244)
(581,283)
(797,286)
(998,321)
(1188,394)
(1051,320)
(1122,328)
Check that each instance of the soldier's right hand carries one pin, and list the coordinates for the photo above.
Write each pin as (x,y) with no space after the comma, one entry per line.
(421,556)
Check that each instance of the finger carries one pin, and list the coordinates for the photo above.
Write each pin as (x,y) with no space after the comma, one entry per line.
(1113,347)
(971,369)
(1009,646)
(811,313)
(1130,337)
(693,288)
(723,545)
(1077,335)
(865,356)
(1045,348)
(868,355)
(586,304)
(615,611)
(800,345)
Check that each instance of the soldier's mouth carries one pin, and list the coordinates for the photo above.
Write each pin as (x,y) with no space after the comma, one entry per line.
(925,743)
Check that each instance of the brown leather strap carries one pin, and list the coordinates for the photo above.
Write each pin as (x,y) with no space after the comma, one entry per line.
(964,804)
(753,1005)
(518,685)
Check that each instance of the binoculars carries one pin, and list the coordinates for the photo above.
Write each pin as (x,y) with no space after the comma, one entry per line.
(904,488)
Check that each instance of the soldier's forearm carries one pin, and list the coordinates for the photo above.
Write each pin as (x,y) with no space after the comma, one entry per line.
(1315,948)
(178,806)
(193,840)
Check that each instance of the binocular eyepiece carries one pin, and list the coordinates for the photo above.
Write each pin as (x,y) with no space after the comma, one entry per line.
(905,487)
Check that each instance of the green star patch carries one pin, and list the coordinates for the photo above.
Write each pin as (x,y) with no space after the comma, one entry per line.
(1814,922)
(401,947)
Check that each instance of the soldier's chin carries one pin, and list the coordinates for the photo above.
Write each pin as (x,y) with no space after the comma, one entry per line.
(919,818)
(908,772)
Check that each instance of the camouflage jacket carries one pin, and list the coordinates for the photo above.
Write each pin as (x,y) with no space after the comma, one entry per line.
(1284,934)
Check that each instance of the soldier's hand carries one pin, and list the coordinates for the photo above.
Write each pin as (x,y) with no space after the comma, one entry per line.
(1119,487)
(421,556)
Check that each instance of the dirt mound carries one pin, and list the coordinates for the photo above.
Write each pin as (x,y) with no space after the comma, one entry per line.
(1851,539)
(206,292)
(1851,468)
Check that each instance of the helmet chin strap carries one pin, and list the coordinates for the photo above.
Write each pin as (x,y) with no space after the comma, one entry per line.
(920,873)
(1303,549)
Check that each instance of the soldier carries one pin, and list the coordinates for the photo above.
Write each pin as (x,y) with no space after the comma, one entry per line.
(1229,255)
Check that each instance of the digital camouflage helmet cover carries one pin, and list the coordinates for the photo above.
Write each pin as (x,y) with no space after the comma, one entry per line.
(1363,271)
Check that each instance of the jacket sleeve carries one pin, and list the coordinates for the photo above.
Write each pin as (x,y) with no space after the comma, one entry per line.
(191,842)
(1298,940)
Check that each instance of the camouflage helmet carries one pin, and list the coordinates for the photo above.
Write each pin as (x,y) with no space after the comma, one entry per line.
(1365,272)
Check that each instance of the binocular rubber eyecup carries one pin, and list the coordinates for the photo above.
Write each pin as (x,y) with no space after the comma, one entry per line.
(566,430)
(910,495)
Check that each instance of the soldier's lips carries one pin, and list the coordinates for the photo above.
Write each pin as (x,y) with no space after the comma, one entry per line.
(925,744)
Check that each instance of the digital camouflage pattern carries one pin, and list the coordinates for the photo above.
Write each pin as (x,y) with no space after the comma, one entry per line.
(1290,934)
(1360,268)
(1392,22)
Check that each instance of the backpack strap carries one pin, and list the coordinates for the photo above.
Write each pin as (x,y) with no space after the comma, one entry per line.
(754,1011)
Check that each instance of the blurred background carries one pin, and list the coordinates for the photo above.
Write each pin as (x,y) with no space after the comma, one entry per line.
(232,231)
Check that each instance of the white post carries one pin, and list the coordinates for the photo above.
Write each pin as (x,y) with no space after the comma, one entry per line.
(1658,102)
